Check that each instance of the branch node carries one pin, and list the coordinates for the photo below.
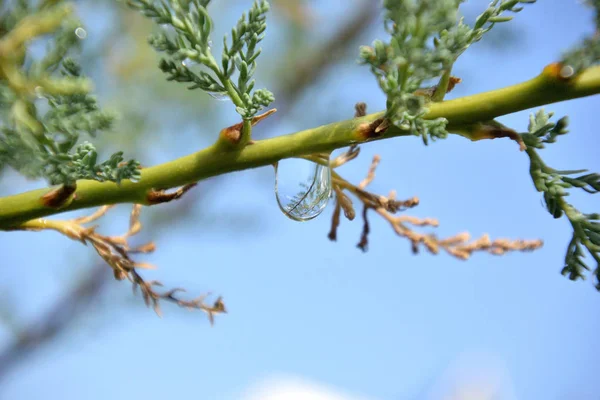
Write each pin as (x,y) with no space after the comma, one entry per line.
(161,196)
(232,135)
(494,130)
(59,197)
(373,130)
(559,72)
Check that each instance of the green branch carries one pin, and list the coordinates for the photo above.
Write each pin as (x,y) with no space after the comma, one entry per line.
(462,113)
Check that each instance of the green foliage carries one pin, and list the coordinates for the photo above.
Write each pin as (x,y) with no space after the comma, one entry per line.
(554,184)
(426,39)
(83,164)
(42,144)
(191,47)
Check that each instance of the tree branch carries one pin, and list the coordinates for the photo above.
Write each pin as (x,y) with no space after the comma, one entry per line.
(462,114)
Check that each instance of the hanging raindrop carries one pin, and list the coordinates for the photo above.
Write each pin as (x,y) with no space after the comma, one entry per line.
(80,33)
(302,188)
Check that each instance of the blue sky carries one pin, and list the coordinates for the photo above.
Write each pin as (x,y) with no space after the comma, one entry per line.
(381,325)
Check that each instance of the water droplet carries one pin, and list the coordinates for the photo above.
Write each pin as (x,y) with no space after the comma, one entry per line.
(209,43)
(220,96)
(302,188)
(81,33)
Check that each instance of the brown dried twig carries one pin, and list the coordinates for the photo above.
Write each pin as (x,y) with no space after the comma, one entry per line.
(116,252)
(460,245)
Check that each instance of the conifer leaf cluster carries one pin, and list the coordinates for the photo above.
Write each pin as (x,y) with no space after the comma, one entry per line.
(426,38)
(554,184)
(46,105)
(190,58)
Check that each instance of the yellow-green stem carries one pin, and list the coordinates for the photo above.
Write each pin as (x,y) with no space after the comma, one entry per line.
(546,88)
(442,86)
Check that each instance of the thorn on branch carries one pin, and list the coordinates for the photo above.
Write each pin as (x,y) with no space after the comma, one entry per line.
(152,298)
(161,196)
(233,134)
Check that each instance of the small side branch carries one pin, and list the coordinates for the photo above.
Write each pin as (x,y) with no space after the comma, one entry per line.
(162,196)
(239,134)
(117,253)
(460,246)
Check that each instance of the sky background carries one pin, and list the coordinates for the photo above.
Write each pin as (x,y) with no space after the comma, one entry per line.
(309,314)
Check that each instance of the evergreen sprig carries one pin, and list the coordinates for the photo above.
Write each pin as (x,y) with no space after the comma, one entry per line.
(426,39)
(554,185)
(191,46)
(42,144)
(83,163)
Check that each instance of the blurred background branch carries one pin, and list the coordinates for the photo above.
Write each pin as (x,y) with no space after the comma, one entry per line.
(292,81)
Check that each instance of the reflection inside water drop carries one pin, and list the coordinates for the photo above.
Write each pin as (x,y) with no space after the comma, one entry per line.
(302,188)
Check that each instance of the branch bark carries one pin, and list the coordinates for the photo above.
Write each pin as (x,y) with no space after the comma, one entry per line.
(548,87)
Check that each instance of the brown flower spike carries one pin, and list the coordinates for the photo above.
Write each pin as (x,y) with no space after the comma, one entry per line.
(460,246)
(117,253)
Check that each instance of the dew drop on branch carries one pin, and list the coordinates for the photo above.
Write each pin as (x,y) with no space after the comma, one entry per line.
(80,33)
(302,188)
